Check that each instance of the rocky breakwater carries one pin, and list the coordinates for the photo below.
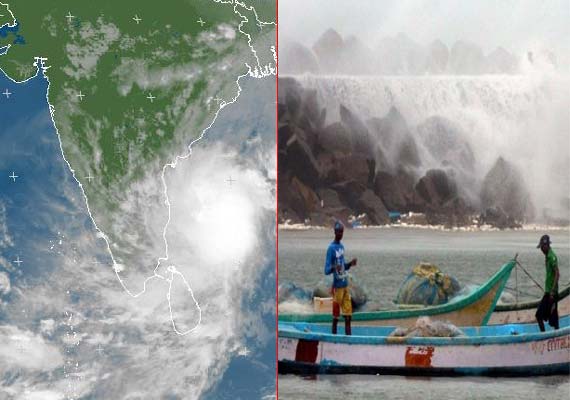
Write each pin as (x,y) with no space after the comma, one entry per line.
(354,169)
(397,55)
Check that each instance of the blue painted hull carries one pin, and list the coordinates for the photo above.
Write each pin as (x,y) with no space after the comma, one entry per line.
(501,350)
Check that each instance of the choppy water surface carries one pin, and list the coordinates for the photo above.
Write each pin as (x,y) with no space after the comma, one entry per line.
(355,387)
(385,257)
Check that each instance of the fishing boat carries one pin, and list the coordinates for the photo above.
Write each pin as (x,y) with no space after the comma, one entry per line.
(524,312)
(499,350)
(471,310)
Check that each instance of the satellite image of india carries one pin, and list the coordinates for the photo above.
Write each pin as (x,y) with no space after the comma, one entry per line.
(137,199)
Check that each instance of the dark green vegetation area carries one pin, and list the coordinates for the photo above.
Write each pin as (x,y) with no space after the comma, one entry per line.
(131,80)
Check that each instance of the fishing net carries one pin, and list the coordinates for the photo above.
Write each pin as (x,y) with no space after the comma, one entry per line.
(357,292)
(425,327)
(427,285)
(289,291)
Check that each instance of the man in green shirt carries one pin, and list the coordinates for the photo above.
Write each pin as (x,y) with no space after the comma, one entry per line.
(548,307)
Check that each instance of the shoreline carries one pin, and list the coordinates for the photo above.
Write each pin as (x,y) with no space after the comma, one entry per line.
(472,228)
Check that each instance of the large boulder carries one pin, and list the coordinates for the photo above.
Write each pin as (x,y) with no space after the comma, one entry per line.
(498,218)
(334,137)
(453,213)
(389,129)
(332,208)
(397,191)
(327,216)
(400,55)
(297,59)
(408,153)
(310,119)
(372,206)
(356,57)
(298,160)
(338,167)
(285,211)
(285,133)
(313,109)
(289,100)
(467,58)
(500,61)
(299,108)
(504,188)
(438,56)
(350,192)
(398,147)
(329,198)
(301,198)
(446,143)
(448,147)
(359,135)
(436,187)
(328,49)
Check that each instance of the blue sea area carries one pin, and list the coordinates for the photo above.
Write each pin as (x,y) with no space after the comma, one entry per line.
(7,29)
(47,240)
(4,30)
(39,201)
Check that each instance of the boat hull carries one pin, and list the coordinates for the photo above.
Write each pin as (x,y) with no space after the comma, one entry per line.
(288,367)
(525,355)
(473,310)
(471,315)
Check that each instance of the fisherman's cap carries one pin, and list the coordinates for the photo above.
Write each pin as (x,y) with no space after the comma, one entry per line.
(545,239)
(338,226)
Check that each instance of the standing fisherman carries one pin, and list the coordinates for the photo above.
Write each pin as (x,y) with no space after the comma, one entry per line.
(335,264)
(548,307)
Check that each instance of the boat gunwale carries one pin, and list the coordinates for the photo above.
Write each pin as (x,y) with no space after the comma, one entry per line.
(427,311)
(424,341)
(521,328)
(528,304)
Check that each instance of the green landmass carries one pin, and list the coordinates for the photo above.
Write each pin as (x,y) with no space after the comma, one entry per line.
(95,53)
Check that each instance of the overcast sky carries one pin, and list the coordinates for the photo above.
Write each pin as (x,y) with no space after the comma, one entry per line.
(514,25)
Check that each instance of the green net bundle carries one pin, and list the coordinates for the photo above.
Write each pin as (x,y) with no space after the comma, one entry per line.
(427,285)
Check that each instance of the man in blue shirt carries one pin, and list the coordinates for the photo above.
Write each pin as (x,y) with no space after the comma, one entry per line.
(334,264)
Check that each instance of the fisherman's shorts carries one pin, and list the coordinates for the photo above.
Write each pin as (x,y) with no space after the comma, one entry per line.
(342,302)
